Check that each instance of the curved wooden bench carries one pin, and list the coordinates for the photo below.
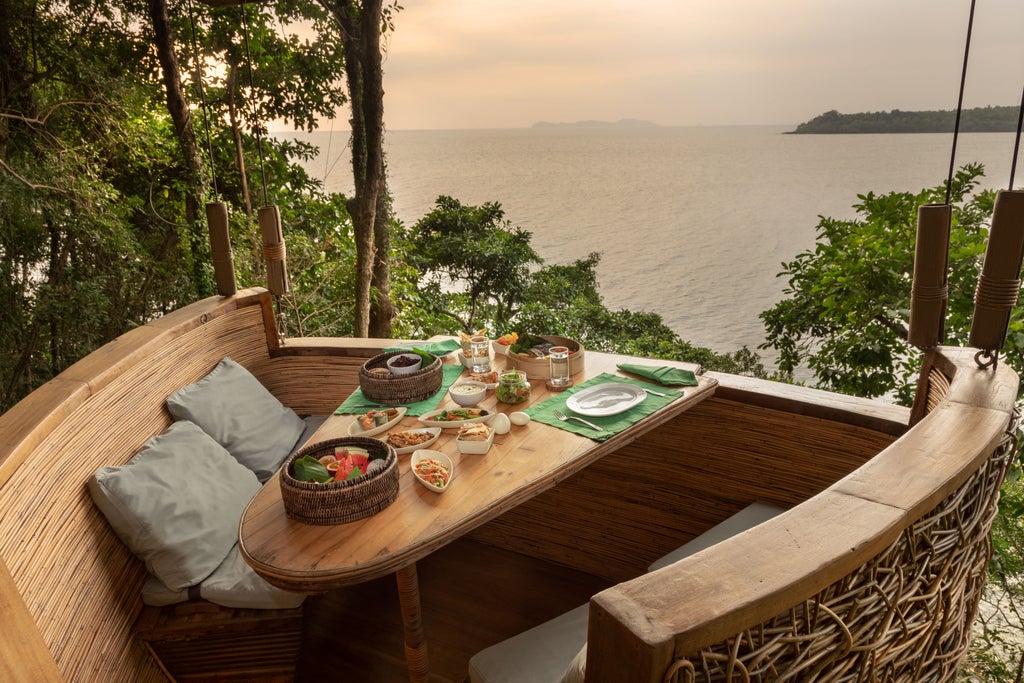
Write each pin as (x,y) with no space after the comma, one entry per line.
(69,588)
(877,576)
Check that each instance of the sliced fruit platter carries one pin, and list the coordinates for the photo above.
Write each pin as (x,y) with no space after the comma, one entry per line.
(347,462)
(455,417)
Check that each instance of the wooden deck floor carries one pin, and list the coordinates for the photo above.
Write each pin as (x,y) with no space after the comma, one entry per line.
(356,634)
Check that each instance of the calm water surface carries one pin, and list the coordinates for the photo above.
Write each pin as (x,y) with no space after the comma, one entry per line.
(691,223)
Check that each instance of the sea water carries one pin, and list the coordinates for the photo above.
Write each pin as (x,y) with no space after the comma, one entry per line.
(692,223)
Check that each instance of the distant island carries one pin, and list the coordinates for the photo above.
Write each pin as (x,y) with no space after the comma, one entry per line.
(621,123)
(978,120)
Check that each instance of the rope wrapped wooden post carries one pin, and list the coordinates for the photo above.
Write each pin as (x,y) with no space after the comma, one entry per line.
(273,250)
(220,248)
(929,293)
(412,620)
(999,282)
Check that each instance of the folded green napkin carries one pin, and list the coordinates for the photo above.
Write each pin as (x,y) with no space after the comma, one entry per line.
(438,348)
(357,403)
(662,374)
(610,424)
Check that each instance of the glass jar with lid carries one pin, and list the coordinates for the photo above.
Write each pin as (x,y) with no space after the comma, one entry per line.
(513,387)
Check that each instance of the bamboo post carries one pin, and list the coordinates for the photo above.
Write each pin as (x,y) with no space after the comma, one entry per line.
(274,250)
(929,292)
(220,248)
(999,282)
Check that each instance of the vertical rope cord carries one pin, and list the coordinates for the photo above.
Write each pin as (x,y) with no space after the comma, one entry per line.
(1016,145)
(202,98)
(959,104)
(255,111)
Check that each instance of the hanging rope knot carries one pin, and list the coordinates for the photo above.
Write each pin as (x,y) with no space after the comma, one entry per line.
(274,252)
(997,294)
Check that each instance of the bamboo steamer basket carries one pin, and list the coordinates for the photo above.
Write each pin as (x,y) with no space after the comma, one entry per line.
(537,368)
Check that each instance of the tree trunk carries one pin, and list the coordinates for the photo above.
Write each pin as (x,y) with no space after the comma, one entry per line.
(177,106)
(360,25)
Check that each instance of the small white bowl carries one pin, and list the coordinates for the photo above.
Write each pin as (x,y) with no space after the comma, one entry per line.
(468,394)
(427,454)
(476,447)
(404,369)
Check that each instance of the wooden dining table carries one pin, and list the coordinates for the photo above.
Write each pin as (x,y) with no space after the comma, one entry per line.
(519,465)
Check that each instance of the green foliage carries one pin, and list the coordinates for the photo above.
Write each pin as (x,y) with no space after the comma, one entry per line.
(479,271)
(847,302)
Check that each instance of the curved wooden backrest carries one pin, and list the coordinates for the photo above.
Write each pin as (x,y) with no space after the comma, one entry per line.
(78,584)
(879,574)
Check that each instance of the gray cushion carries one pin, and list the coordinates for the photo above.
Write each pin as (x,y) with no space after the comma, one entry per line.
(240,414)
(177,503)
(232,584)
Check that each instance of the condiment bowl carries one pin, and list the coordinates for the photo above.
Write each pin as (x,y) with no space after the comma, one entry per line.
(418,456)
(467,394)
(403,364)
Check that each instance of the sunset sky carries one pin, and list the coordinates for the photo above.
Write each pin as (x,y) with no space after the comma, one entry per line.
(507,64)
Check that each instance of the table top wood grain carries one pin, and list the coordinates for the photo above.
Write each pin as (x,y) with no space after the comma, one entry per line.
(519,465)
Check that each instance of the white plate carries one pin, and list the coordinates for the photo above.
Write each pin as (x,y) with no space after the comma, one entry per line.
(433,431)
(425,418)
(609,398)
(356,429)
(425,454)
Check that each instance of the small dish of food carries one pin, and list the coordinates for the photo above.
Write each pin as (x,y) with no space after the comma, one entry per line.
(468,394)
(454,417)
(433,469)
(412,439)
(404,363)
(475,438)
(374,422)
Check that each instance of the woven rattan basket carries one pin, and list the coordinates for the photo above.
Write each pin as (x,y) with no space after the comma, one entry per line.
(397,389)
(339,502)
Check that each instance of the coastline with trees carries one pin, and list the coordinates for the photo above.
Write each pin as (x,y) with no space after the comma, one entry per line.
(978,120)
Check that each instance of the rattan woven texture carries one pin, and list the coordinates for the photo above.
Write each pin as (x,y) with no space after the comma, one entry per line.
(397,389)
(338,502)
(905,616)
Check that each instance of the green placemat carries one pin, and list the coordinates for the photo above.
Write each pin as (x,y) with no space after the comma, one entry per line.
(357,403)
(610,424)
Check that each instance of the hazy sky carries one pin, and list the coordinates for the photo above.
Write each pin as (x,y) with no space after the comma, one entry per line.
(508,64)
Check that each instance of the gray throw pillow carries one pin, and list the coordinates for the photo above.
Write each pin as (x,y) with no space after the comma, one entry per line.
(232,584)
(240,414)
(177,503)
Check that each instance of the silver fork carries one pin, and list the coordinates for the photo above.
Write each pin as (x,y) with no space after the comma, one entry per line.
(565,418)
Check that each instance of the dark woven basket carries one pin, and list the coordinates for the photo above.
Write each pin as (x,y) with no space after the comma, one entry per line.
(338,502)
(397,389)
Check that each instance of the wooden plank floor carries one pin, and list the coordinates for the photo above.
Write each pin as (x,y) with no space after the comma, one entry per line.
(473,595)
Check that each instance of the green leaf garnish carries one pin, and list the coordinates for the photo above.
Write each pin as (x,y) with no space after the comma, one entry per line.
(356,472)
(428,358)
(311,469)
